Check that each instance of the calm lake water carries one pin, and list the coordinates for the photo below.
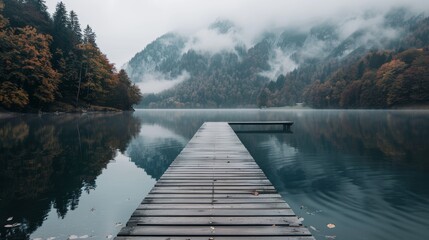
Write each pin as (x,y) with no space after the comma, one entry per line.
(367,172)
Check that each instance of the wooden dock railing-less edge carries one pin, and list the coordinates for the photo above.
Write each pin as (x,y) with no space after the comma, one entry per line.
(214,190)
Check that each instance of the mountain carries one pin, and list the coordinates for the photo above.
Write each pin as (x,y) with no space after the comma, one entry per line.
(390,77)
(221,66)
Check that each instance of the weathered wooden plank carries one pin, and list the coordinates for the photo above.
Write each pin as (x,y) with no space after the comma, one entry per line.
(209,171)
(216,195)
(216,177)
(206,185)
(200,192)
(213,187)
(215,206)
(226,221)
(221,174)
(215,231)
(215,182)
(212,200)
(213,212)
(212,238)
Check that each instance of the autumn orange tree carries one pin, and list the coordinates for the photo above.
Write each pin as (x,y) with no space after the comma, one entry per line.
(26,72)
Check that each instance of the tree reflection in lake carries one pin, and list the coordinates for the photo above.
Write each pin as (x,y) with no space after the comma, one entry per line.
(48,161)
(364,171)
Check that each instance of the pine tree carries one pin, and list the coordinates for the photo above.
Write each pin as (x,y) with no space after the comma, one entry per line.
(61,32)
(40,6)
(89,36)
(74,27)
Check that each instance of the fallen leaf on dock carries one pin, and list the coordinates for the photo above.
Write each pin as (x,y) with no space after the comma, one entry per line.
(330,225)
(255,193)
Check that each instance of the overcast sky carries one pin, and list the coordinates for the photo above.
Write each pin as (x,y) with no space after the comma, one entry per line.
(125,27)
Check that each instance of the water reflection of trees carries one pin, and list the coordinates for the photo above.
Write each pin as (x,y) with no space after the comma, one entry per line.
(155,159)
(48,161)
(336,151)
(399,136)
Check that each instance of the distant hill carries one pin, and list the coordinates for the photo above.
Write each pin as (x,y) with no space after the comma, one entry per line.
(219,67)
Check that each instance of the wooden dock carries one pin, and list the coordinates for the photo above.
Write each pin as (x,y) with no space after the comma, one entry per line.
(214,190)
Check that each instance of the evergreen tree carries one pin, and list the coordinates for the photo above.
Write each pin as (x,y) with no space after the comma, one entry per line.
(61,32)
(89,36)
(40,5)
(74,27)
(125,94)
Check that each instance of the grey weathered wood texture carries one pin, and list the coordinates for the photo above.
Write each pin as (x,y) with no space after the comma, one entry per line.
(214,190)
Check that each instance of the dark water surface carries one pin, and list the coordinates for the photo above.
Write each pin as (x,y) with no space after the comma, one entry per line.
(66,176)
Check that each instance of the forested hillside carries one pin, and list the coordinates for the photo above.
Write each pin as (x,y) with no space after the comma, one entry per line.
(50,64)
(396,77)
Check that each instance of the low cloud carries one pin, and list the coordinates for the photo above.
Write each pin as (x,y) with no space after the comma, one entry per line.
(280,63)
(158,82)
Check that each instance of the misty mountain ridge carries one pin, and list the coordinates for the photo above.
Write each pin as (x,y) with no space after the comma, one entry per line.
(223,66)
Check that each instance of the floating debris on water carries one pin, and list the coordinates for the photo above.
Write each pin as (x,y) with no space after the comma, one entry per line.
(12,225)
(10,219)
(314,228)
(308,211)
(109,236)
(330,237)
(118,224)
(330,225)
(73,237)
(301,219)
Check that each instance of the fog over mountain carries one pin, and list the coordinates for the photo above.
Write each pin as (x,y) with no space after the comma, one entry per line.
(125,27)
(160,65)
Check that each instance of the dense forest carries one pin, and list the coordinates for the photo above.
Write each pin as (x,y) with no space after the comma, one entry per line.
(47,63)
